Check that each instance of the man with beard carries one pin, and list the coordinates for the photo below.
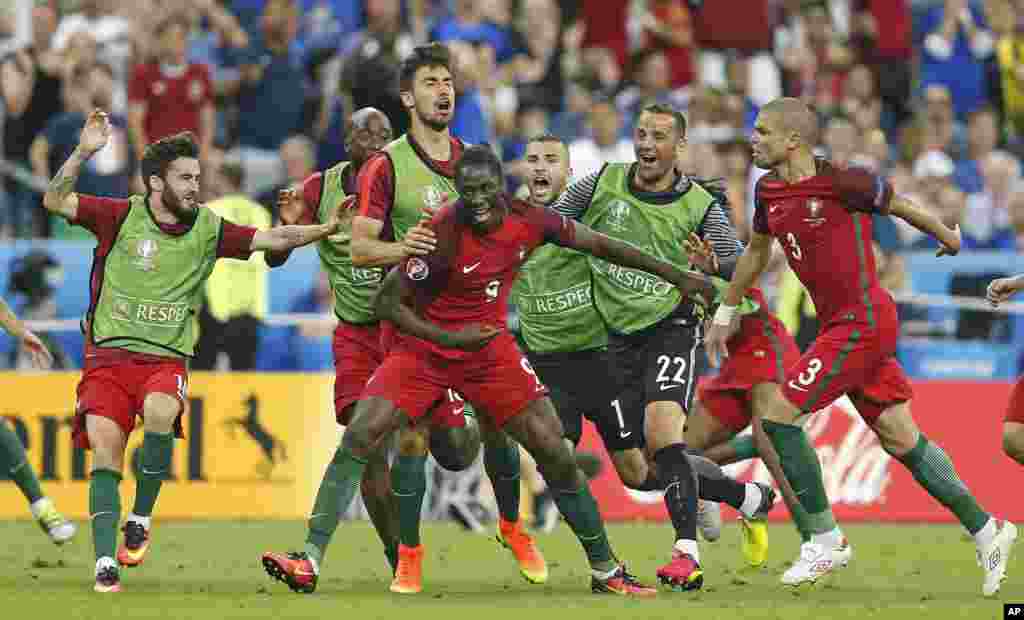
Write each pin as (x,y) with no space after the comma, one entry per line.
(154,255)
(357,353)
(408,180)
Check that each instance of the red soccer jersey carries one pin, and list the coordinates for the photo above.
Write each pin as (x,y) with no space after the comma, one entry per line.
(824,226)
(173,101)
(469,277)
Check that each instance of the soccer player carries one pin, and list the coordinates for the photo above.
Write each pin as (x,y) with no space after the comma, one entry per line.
(1000,290)
(655,332)
(409,179)
(154,255)
(12,452)
(357,351)
(566,343)
(821,216)
(451,308)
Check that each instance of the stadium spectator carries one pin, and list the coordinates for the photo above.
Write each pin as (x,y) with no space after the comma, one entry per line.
(881,35)
(651,84)
(668,26)
(955,45)
(604,26)
(987,219)
(472,119)
(170,95)
(942,130)
(812,56)
(604,143)
(1009,51)
(298,158)
(982,138)
(841,140)
(272,95)
(538,76)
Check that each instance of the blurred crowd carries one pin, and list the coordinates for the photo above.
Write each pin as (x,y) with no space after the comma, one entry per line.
(929,91)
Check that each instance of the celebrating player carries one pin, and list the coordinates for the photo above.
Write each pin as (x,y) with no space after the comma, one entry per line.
(655,331)
(1000,290)
(821,216)
(12,453)
(566,343)
(357,353)
(408,180)
(154,255)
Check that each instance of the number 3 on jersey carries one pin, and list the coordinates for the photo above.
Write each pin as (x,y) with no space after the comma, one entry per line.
(794,247)
(808,376)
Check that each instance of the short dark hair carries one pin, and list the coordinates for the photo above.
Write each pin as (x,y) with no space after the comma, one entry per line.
(546,137)
(662,108)
(430,55)
(480,155)
(159,155)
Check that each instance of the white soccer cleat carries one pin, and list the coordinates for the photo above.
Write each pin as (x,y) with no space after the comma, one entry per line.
(709,520)
(994,556)
(59,529)
(817,561)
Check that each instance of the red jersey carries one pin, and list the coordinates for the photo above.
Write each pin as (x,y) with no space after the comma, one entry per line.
(172,101)
(468,278)
(824,226)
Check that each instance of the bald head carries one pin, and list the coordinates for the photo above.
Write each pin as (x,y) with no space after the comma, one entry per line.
(367,131)
(792,116)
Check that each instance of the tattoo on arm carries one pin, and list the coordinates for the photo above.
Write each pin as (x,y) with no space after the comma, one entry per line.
(63,183)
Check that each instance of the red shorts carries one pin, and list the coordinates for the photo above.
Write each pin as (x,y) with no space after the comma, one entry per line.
(1015,410)
(497,380)
(117,391)
(760,352)
(357,354)
(852,358)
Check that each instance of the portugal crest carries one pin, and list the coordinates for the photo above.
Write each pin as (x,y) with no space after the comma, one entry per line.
(814,208)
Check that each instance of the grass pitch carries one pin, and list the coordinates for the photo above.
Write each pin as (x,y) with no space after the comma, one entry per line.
(211,570)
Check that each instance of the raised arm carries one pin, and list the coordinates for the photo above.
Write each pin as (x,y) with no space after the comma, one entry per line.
(927,222)
(392,304)
(60,197)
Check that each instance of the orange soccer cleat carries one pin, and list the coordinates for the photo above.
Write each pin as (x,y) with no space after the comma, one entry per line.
(409,573)
(513,537)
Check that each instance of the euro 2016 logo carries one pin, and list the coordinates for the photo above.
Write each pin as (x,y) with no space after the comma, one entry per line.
(146,252)
(618,216)
(431,198)
(416,269)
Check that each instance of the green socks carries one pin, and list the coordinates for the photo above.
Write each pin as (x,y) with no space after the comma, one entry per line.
(581,513)
(502,464)
(15,464)
(105,510)
(339,486)
(408,486)
(934,471)
(803,470)
(157,450)
(743,446)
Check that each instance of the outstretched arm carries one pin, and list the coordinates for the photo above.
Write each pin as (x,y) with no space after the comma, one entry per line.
(60,197)
(619,252)
(928,223)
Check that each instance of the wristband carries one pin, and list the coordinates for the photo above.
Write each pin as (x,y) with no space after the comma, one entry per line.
(724,315)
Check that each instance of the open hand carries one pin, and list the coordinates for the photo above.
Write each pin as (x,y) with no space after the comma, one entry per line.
(289,205)
(951,245)
(95,133)
(715,343)
(419,240)
(38,353)
(702,255)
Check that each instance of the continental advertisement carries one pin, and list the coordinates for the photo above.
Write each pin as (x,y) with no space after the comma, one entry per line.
(255,445)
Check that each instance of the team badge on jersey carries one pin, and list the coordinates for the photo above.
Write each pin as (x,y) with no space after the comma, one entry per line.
(618,216)
(146,251)
(814,207)
(416,269)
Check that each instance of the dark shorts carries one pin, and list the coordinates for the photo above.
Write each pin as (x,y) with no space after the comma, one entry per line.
(760,352)
(853,358)
(661,363)
(498,380)
(584,384)
(118,391)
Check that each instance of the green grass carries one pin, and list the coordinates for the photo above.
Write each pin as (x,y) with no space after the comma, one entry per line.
(211,570)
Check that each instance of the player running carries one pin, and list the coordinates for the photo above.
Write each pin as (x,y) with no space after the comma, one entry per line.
(566,343)
(154,255)
(821,216)
(12,453)
(357,351)
(656,332)
(1000,290)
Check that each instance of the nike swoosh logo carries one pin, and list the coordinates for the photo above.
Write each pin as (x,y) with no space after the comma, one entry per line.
(319,514)
(797,387)
(625,434)
(470,268)
(153,473)
(669,386)
(99,514)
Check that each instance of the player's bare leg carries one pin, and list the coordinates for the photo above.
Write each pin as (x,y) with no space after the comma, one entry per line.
(160,411)
(827,550)
(539,430)
(15,463)
(108,444)
(933,470)
(501,461)
(1013,441)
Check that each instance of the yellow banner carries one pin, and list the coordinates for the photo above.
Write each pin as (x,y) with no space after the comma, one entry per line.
(256,445)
